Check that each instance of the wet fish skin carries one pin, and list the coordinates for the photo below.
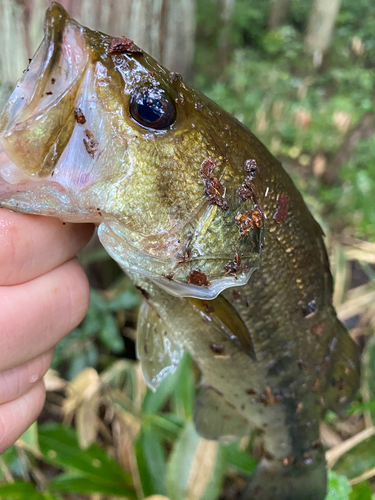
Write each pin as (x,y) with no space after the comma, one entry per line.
(278,358)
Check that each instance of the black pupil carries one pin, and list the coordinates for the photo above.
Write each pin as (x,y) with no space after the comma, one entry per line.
(150,109)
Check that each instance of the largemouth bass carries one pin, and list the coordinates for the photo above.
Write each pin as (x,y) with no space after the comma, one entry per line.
(191,205)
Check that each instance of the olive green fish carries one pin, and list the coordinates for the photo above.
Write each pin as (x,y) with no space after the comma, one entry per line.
(231,264)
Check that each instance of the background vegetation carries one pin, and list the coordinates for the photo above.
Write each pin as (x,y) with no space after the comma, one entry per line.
(103,434)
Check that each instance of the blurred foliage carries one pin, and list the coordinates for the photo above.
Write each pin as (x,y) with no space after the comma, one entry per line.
(103,434)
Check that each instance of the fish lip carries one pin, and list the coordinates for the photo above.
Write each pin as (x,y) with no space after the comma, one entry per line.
(55,21)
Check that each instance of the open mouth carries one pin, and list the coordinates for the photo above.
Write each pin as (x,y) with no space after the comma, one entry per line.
(38,120)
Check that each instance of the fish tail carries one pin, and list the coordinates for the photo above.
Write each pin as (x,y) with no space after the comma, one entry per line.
(272,480)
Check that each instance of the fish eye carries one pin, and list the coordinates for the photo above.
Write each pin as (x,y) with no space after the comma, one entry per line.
(152,108)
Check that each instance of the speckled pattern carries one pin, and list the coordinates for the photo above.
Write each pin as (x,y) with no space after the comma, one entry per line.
(271,349)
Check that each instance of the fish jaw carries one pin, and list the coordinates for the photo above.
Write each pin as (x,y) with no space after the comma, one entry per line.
(38,120)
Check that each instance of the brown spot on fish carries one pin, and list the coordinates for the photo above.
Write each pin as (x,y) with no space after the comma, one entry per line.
(53,80)
(288,460)
(198,278)
(91,144)
(169,276)
(340,384)
(152,74)
(213,188)
(318,329)
(316,444)
(236,294)
(207,168)
(79,116)
(282,210)
(248,191)
(251,167)
(257,218)
(145,294)
(217,349)
(316,385)
(49,93)
(232,267)
(208,307)
(267,397)
(184,258)
(247,220)
(122,46)
(309,309)
(173,77)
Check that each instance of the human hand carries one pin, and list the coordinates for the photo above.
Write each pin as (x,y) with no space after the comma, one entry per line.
(44,294)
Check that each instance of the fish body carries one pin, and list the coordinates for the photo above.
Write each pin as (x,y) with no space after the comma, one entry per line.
(211,229)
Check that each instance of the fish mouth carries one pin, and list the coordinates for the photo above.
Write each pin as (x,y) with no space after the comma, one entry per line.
(38,119)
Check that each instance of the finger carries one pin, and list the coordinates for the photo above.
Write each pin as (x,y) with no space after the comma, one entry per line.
(16,416)
(17,381)
(34,316)
(32,245)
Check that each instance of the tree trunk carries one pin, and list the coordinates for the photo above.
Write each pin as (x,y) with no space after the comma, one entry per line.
(163,28)
(278,13)
(320,27)
(226,17)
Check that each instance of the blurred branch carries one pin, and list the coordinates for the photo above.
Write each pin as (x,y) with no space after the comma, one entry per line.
(364,129)
(278,13)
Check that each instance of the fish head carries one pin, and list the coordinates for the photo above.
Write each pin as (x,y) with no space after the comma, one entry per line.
(98,131)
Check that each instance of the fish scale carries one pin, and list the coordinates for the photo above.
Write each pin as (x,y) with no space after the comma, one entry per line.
(230,262)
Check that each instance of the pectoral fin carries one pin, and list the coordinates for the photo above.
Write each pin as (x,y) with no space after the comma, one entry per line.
(156,348)
(223,315)
(214,418)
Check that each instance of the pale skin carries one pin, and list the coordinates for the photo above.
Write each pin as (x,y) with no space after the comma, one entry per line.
(44,294)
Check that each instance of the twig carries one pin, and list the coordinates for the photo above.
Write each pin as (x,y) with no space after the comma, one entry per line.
(335,453)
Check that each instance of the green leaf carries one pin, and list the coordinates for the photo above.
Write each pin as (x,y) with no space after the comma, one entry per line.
(10,458)
(125,300)
(20,491)
(184,393)
(30,438)
(358,460)
(151,461)
(237,458)
(361,491)
(338,487)
(154,401)
(368,376)
(75,483)
(196,466)
(109,334)
(167,425)
(59,446)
